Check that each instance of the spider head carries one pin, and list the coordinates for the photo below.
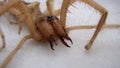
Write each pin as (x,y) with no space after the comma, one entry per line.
(52,19)
(49,17)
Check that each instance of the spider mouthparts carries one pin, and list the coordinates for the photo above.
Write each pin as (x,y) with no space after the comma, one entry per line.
(68,38)
(51,45)
(51,40)
(63,41)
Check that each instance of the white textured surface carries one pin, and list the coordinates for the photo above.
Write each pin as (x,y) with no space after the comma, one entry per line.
(105,52)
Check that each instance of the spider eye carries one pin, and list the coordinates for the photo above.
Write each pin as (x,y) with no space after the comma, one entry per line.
(49,17)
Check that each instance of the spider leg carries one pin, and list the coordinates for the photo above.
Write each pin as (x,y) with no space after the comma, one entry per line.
(16,12)
(57,12)
(35,12)
(92,27)
(102,20)
(2,3)
(50,7)
(9,5)
(3,40)
(25,17)
(96,6)
(20,27)
(64,9)
(19,46)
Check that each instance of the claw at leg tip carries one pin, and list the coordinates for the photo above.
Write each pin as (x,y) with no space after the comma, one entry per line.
(53,49)
(88,46)
(1,48)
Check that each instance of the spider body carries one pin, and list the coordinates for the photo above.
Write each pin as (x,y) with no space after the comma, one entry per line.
(46,26)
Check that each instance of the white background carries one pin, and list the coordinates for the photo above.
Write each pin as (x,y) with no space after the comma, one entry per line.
(105,52)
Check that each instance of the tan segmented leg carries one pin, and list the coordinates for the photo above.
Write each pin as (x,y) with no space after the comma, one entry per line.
(9,5)
(23,8)
(64,8)
(50,7)
(104,13)
(110,26)
(34,13)
(12,11)
(17,13)
(20,27)
(57,12)
(3,40)
(34,9)
(96,6)
(10,56)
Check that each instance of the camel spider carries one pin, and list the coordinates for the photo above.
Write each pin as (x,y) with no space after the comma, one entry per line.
(46,26)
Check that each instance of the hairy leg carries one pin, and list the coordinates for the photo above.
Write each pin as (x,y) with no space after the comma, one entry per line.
(10,56)
(64,9)
(96,6)
(110,26)
(101,22)
(34,9)
(9,5)
(50,7)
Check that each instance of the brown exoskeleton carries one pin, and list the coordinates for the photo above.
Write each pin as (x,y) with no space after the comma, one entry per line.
(50,29)
(47,27)
(19,17)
